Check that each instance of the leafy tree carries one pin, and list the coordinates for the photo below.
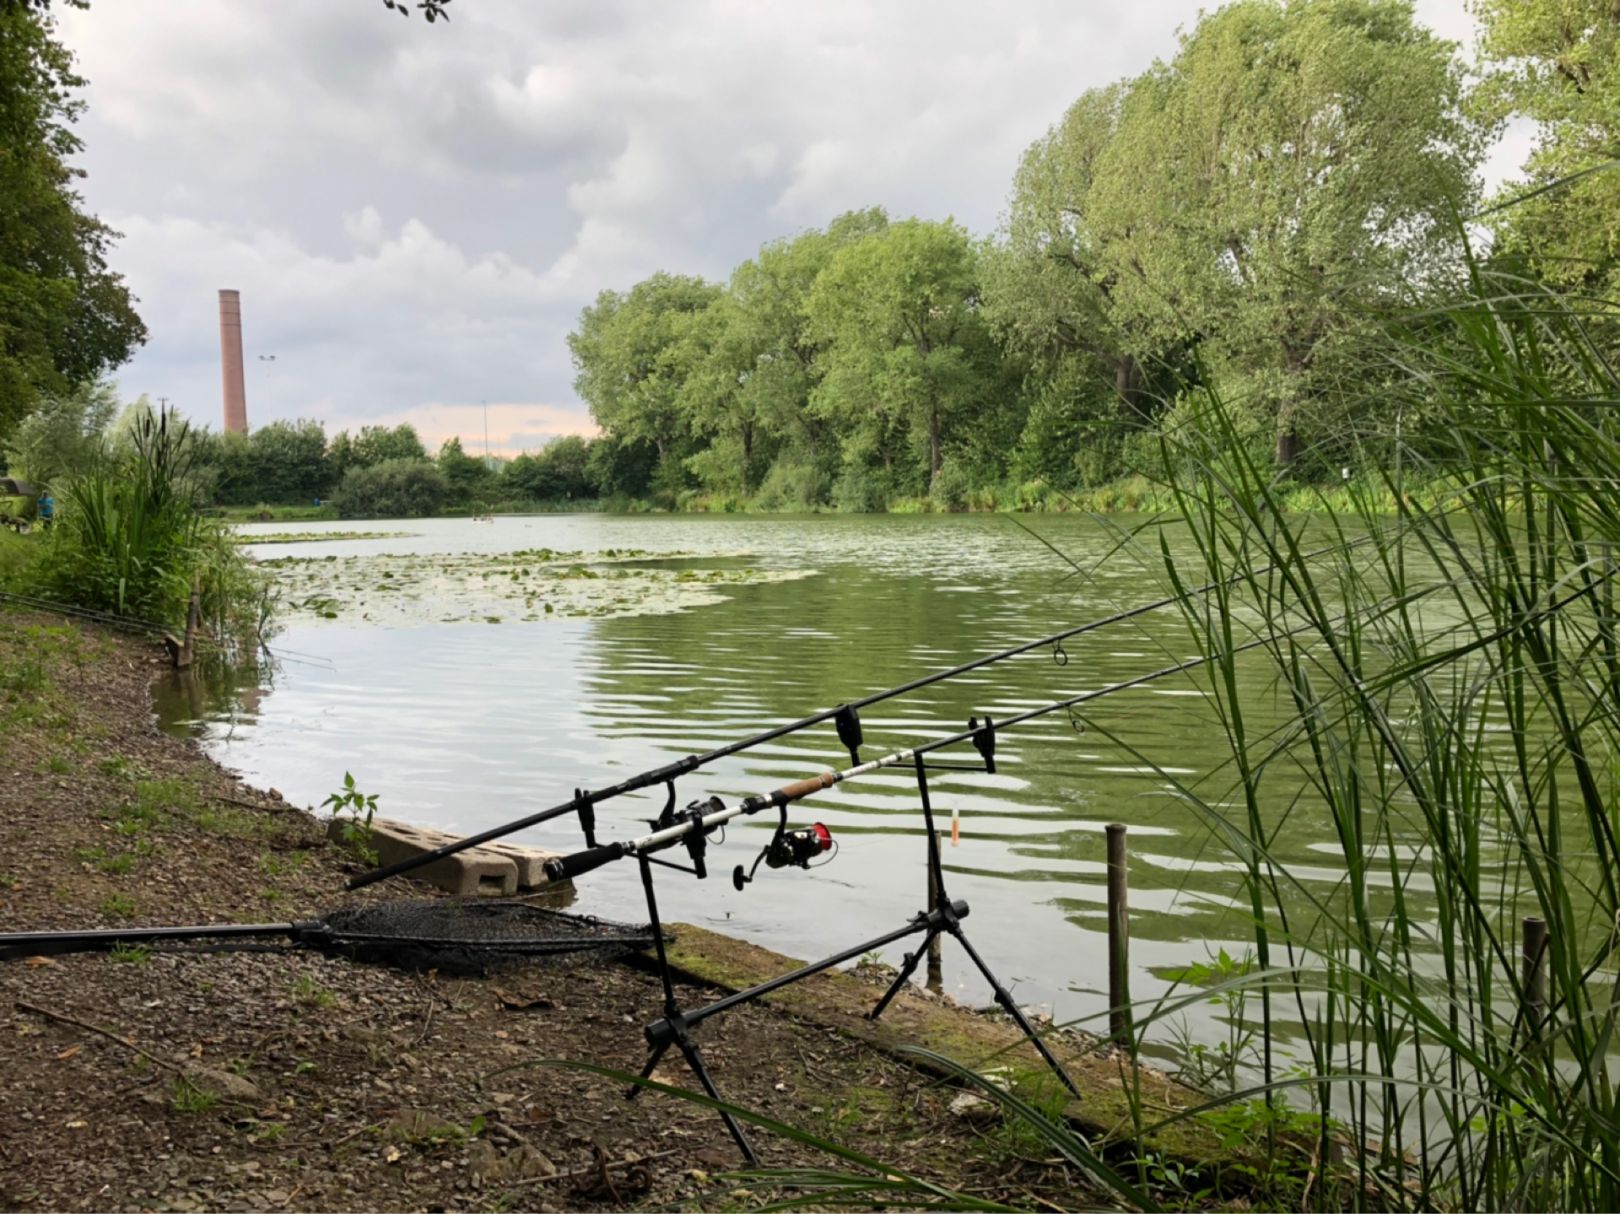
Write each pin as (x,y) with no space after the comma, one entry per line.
(750,391)
(340,456)
(65,318)
(1557,62)
(433,10)
(633,353)
(1048,294)
(466,475)
(376,443)
(394,488)
(620,468)
(64,436)
(907,351)
(227,470)
(289,461)
(558,473)
(1278,182)
(567,459)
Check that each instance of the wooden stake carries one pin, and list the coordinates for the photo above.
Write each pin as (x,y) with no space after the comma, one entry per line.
(1119,937)
(1534,936)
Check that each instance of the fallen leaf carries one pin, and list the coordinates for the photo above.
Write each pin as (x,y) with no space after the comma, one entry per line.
(68,1053)
(521,1001)
(197,1050)
(392,1154)
(77,1125)
(35,963)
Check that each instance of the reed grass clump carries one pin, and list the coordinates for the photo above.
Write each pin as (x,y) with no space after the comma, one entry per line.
(1450,678)
(130,540)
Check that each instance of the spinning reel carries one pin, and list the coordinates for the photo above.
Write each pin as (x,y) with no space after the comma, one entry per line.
(787,849)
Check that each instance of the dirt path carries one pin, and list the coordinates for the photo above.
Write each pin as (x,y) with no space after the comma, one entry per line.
(188,1081)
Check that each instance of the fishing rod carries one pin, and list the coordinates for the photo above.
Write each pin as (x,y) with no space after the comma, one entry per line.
(846,718)
(703,817)
(943,916)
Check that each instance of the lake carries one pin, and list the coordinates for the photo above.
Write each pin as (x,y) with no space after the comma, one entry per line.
(463,703)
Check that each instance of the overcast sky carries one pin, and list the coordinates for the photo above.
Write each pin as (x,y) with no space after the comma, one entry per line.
(415,213)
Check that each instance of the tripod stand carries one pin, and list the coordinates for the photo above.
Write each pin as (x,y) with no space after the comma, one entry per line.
(944,917)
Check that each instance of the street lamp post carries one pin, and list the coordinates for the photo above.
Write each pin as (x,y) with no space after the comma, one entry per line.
(268,360)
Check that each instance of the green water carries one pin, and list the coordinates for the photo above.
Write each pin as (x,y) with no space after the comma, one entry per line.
(466,725)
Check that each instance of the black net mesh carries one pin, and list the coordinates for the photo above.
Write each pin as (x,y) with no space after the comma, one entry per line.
(443,933)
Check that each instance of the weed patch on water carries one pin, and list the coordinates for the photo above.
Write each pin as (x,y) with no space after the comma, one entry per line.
(403,589)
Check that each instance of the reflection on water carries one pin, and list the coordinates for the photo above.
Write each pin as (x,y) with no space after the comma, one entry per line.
(466,726)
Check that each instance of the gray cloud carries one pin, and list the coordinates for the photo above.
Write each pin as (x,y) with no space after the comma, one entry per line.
(415,214)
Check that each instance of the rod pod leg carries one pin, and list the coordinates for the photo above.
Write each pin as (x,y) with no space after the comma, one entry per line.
(694,1060)
(653,1059)
(1010,1006)
(906,970)
(678,1035)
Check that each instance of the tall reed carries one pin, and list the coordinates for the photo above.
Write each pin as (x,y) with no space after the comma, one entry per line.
(1452,691)
(129,539)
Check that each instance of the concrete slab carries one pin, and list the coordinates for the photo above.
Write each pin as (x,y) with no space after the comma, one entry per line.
(530,861)
(476,871)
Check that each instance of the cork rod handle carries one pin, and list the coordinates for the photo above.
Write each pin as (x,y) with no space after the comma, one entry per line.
(803,788)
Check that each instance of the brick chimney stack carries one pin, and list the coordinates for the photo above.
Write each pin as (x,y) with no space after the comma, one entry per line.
(230,362)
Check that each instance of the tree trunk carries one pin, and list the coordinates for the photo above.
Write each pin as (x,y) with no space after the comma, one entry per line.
(1296,357)
(1287,440)
(934,460)
(748,456)
(1127,378)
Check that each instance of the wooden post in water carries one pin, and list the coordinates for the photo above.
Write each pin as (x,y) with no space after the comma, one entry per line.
(936,969)
(181,653)
(1119,937)
(1534,938)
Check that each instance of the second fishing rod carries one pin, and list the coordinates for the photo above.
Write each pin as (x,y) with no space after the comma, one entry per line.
(703,817)
(845,716)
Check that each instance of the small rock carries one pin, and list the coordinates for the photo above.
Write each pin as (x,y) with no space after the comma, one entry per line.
(973,1108)
(231,1086)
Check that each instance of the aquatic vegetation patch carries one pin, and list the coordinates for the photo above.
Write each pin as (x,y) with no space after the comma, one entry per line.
(400,590)
(318,537)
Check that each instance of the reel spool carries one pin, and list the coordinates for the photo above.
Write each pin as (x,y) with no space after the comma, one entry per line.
(787,849)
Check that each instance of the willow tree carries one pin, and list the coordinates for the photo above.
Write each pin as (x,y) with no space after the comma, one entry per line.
(634,352)
(1047,286)
(1557,62)
(905,351)
(1048,295)
(1283,179)
(751,391)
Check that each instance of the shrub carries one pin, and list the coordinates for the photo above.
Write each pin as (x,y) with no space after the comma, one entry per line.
(394,488)
(861,491)
(794,486)
(950,487)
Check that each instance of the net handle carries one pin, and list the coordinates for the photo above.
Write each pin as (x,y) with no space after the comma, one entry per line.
(48,944)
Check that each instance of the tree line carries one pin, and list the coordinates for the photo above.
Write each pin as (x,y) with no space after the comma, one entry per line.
(1255,215)
(378,471)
